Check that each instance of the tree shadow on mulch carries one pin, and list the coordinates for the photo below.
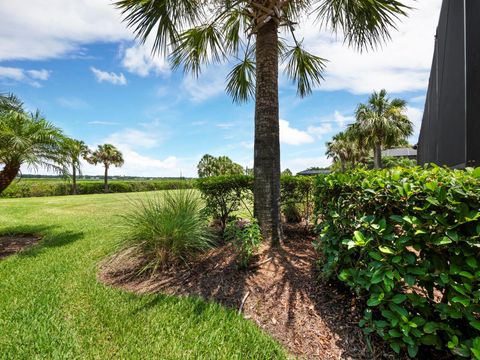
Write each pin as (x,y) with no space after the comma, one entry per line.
(283,295)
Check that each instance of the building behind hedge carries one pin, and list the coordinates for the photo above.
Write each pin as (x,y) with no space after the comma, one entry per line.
(451,121)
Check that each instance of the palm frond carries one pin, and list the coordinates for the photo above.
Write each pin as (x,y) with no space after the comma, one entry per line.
(198,46)
(165,18)
(241,81)
(364,23)
(304,68)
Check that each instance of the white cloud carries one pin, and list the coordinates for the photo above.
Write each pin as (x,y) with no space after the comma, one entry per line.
(403,64)
(39,74)
(321,130)
(291,136)
(341,119)
(111,77)
(226,126)
(45,29)
(138,59)
(72,102)
(12,73)
(301,163)
(247,144)
(137,164)
(415,115)
(209,84)
(419,99)
(25,76)
(96,122)
(133,138)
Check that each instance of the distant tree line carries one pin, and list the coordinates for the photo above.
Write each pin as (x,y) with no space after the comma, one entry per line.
(28,139)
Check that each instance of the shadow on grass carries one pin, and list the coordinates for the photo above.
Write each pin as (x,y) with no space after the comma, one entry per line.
(48,237)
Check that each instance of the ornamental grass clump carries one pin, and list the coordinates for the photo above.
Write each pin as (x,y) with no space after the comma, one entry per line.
(167,228)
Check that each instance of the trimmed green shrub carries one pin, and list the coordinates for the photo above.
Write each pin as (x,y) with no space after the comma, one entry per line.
(246,236)
(167,228)
(297,197)
(38,188)
(291,213)
(224,195)
(407,241)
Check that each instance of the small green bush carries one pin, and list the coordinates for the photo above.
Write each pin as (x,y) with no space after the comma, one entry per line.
(297,197)
(225,194)
(246,236)
(407,241)
(167,228)
(291,213)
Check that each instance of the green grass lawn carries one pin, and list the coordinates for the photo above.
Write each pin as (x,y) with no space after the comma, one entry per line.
(51,305)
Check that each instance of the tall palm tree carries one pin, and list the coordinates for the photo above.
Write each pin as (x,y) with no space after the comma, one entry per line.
(381,123)
(27,139)
(75,151)
(198,32)
(107,155)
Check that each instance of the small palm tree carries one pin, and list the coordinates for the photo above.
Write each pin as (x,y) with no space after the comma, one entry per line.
(346,148)
(199,32)
(207,166)
(27,139)
(382,123)
(75,151)
(107,155)
(337,149)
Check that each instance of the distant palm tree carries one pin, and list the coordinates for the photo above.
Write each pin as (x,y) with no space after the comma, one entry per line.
(216,166)
(340,149)
(195,33)
(75,151)
(381,123)
(27,139)
(107,155)
(207,166)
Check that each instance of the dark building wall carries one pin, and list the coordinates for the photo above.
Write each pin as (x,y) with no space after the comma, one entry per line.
(473,82)
(452,109)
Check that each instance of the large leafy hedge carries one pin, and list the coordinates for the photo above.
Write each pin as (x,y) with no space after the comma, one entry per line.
(407,241)
(33,188)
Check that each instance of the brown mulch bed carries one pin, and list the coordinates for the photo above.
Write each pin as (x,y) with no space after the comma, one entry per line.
(11,244)
(311,318)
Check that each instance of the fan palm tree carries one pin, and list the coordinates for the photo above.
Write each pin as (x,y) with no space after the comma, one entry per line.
(338,149)
(75,151)
(207,166)
(198,32)
(27,139)
(107,155)
(345,148)
(382,123)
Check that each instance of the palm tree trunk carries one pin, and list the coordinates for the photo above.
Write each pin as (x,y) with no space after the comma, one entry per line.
(342,165)
(377,155)
(7,175)
(74,180)
(105,181)
(267,135)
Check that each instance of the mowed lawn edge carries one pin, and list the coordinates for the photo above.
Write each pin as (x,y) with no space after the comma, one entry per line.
(52,306)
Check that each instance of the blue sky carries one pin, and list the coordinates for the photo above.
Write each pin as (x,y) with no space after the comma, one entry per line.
(78,64)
